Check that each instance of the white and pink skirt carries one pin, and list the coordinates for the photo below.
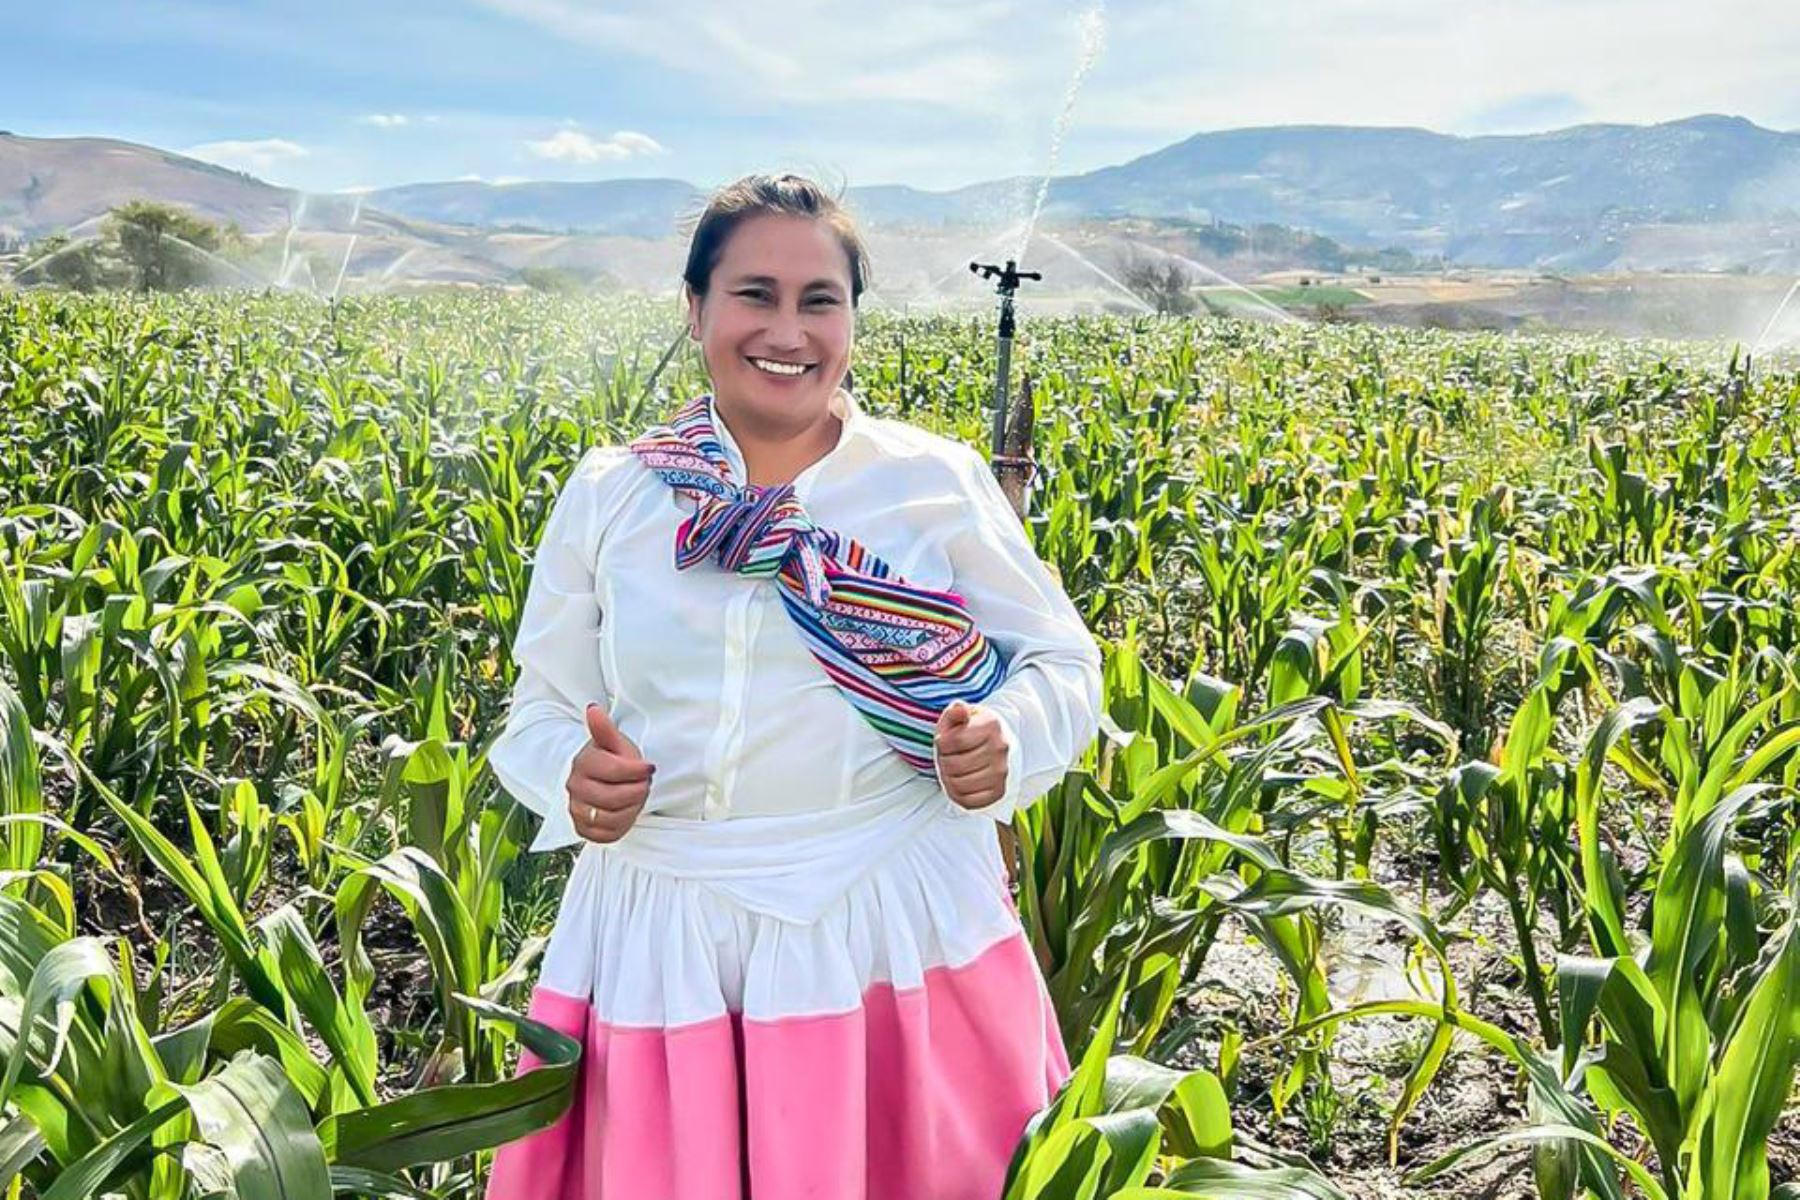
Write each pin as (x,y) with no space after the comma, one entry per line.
(837,1005)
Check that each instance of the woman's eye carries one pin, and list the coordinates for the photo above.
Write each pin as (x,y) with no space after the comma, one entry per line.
(823,300)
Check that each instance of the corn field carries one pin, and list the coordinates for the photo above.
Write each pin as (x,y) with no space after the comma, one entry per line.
(1473,655)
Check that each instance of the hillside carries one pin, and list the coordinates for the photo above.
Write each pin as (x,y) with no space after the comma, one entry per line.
(1564,199)
(1708,193)
(49,184)
(646,208)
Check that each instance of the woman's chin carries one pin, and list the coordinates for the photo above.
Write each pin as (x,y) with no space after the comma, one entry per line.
(783,397)
(785,385)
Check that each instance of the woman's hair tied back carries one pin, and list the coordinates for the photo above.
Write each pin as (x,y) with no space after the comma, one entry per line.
(780,195)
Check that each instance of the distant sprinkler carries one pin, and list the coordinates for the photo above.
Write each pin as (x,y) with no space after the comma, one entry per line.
(1008,280)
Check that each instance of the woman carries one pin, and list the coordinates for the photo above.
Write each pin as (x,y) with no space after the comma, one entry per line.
(783,665)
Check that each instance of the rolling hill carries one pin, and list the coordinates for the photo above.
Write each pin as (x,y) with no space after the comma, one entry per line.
(1705,193)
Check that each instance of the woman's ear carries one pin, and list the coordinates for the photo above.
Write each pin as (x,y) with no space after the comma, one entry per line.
(693,312)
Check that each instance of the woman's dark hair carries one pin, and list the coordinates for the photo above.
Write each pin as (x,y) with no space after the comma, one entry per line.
(754,195)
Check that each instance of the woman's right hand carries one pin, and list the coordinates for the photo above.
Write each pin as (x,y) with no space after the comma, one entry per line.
(608,781)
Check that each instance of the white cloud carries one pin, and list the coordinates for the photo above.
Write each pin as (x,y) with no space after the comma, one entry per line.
(962,55)
(385,120)
(1172,68)
(258,156)
(572,145)
(940,93)
(1175,68)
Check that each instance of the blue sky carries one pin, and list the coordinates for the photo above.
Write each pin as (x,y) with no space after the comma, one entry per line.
(328,94)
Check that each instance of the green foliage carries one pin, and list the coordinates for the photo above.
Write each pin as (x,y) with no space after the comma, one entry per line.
(143,245)
(89,265)
(1120,1121)
(165,246)
(1397,625)
(101,1094)
(556,281)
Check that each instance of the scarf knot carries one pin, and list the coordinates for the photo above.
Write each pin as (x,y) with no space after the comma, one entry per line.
(755,532)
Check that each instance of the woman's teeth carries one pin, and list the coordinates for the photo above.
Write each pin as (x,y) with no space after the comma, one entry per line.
(781,368)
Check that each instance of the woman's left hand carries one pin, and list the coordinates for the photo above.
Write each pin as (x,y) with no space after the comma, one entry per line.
(971,751)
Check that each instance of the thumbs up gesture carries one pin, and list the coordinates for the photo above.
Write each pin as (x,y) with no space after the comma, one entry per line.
(608,781)
(971,752)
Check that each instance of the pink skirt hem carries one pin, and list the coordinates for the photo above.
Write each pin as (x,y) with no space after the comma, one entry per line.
(921,1093)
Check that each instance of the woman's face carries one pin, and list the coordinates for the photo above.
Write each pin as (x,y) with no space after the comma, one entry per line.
(778,300)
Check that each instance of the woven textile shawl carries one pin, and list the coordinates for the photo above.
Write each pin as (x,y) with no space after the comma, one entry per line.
(900,654)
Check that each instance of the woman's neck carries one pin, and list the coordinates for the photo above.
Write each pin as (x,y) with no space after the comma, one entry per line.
(775,456)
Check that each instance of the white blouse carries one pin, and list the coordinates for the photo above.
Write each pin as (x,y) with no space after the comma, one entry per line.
(705,673)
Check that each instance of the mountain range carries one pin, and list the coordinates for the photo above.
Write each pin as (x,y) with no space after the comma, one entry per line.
(1707,192)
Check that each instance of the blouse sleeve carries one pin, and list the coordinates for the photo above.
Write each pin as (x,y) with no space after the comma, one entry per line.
(557,650)
(1049,704)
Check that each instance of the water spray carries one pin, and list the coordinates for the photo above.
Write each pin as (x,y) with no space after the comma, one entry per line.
(1092,27)
(1009,459)
(1775,318)
(355,215)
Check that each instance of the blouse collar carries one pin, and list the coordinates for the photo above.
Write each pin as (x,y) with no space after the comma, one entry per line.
(843,405)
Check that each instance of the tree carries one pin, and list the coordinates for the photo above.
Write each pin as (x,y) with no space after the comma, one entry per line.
(81,266)
(1159,280)
(556,281)
(166,248)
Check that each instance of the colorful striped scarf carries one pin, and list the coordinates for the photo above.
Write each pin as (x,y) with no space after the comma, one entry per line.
(899,653)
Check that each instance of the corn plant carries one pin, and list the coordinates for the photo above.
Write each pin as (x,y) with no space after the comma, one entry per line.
(1125,1127)
(97,1094)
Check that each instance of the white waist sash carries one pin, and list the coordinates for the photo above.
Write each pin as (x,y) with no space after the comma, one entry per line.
(792,867)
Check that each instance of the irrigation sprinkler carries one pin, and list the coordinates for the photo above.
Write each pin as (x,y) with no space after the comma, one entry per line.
(1010,457)
(1011,460)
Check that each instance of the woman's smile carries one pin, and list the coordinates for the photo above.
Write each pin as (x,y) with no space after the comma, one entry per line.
(781,368)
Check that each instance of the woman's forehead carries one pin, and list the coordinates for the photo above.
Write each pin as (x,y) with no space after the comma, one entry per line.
(785,249)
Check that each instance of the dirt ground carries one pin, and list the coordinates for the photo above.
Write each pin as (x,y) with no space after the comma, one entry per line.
(1475,1094)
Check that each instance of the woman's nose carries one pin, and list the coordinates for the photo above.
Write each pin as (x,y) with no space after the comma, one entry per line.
(785,331)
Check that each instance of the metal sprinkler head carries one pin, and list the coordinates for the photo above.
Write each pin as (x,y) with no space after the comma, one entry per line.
(1009,276)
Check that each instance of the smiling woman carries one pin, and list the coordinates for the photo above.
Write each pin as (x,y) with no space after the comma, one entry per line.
(787,944)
